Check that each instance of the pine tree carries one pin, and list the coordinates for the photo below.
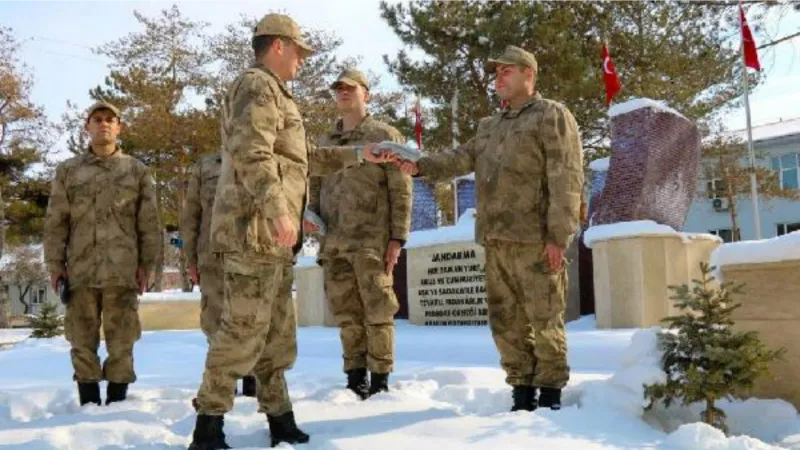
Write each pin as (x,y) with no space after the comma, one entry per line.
(48,323)
(704,358)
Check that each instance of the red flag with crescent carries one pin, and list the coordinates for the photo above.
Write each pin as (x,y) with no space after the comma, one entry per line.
(609,76)
(748,43)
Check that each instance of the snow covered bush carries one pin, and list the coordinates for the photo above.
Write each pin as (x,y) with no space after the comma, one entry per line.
(704,358)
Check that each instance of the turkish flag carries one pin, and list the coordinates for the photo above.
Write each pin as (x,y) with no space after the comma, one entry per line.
(748,43)
(418,124)
(609,76)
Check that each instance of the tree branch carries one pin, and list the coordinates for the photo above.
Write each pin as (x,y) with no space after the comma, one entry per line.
(778,41)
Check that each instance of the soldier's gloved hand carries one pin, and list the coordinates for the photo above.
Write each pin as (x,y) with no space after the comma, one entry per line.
(286,232)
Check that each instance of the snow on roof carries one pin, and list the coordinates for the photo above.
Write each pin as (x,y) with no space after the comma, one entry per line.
(639,103)
(781,248)
(634,228)
(469,176)
(306,261)
(600,165)
(462,231)
(769,130)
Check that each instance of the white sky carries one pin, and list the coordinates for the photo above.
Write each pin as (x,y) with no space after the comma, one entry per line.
(58,36)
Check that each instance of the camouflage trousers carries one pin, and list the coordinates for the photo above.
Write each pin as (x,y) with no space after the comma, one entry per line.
(212,297)
(257,334)
(117,311)
(363,303)
(526,314)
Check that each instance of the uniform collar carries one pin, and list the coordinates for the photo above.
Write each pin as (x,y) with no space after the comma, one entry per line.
(511,113)
(92,158)
(337,132)
(278,79)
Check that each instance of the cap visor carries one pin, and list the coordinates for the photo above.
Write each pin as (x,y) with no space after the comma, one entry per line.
(491,64)
(307,49)
(344,80)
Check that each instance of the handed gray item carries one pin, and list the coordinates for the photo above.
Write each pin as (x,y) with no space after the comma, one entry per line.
(312,217)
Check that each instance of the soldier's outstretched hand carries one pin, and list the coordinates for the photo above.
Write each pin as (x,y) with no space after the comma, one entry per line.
(286,232)
(194,274)
(407,167)
(309,226)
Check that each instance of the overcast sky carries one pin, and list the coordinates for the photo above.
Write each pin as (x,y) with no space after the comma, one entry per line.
(58,36)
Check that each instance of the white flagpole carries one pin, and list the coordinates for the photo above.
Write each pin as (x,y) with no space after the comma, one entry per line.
(753,182)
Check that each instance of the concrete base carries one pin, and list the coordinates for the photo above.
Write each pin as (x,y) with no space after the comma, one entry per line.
(770,307)
(631,275)
(311,305)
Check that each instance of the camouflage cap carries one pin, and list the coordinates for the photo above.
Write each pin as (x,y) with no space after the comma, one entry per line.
(101,105)
(351,77)
(284,26)
(513,56)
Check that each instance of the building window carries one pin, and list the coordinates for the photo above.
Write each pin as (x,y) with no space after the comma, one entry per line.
(725,234)
(786,228)
(716,188)
(788,169)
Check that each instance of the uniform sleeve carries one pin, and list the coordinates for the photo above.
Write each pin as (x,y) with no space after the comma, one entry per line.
(327,160)
(560,139)
(56,225)
(400,197)
(314,194)
(191,217)
(148,223)
(450,164)
(251,146)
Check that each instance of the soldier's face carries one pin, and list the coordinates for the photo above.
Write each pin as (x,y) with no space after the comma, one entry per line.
(350,98)
(292,57)
(103,127)
(510,81)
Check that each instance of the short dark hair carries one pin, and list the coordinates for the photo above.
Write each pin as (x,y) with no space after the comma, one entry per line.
(261,44)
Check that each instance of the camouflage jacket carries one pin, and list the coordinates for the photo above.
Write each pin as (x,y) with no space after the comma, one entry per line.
(266,161)
(366,205)
(102,221)
(528,166)
(196,216)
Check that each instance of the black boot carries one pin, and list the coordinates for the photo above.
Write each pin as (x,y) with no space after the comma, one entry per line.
(208,434)
(116,392)
(524,398)
(550,398)
(357,382)
(89,393)
(379,382)
(249,386)
(283,428)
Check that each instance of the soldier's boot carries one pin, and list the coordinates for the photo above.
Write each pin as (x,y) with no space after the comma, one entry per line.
(357,382)
(249,386)
(550,398)
(208,434)
(89,393)
(379,382)
(524,398)
(116,392)
(283,428)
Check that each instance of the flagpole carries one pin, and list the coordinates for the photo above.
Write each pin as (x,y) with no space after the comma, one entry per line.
(753,182)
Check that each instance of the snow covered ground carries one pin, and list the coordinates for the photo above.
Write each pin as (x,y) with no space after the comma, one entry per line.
(447,393)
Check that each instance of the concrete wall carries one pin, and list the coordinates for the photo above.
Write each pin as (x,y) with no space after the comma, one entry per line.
(770,307)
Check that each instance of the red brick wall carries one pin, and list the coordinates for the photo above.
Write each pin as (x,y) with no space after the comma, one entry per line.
(653,172)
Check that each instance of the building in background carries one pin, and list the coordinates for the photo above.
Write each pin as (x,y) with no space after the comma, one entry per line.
(779,142)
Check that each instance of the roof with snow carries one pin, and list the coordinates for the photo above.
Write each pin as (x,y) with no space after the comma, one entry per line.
(774,130)
(600,165)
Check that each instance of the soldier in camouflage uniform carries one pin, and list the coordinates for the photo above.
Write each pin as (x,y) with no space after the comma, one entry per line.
(528,166)
(102,235)
(206,268)
(367,212)
(255,226)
